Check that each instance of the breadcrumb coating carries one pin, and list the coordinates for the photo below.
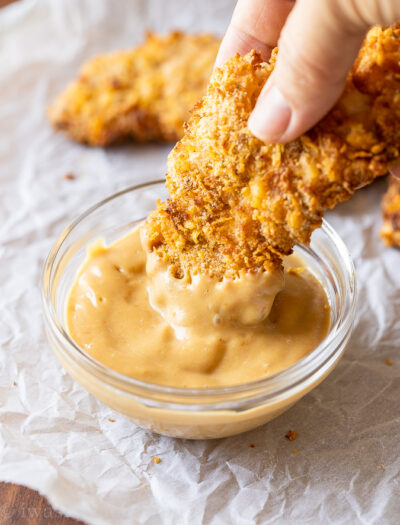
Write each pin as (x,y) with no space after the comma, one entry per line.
(390,231)
(237,203)
(145,93)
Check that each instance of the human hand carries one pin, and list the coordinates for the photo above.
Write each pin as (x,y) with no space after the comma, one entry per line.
(318,43)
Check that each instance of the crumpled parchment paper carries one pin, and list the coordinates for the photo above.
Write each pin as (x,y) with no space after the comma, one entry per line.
(57,438)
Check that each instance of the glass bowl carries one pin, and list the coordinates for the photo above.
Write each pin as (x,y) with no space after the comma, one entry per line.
(179,412)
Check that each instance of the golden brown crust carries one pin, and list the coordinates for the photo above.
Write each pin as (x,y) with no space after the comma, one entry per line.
(145,93)
(238,203)
(390,231)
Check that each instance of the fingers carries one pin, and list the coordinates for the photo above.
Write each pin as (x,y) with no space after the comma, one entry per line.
(316,51)
(319,41)
(255,24)
(317,47)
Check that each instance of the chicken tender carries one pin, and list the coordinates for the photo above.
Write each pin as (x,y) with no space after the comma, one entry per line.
(390,231)
(145,93)
(237,204)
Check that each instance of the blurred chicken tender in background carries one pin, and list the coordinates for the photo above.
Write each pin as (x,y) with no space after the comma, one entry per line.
(144,94)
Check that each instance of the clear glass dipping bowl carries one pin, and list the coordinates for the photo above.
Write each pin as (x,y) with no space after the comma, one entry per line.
(187,413)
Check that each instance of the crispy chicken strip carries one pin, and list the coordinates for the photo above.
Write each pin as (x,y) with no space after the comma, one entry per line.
(237,203)
(390,231)
(145,93)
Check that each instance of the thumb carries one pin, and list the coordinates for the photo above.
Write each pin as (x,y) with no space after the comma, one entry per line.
(317,47)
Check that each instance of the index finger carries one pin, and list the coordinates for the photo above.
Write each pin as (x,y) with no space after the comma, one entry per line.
(255,24)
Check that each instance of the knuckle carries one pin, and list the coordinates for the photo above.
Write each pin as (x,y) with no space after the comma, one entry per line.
(365,13)
(295,64)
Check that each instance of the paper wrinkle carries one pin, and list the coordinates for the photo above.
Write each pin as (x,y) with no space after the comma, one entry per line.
(60,440)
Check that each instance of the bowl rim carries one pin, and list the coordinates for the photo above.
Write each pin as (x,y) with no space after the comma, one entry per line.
(271,386)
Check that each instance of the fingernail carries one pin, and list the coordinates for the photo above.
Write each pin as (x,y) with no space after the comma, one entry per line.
(271,116)
(396,172)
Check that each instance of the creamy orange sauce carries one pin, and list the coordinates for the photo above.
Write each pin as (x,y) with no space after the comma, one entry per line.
(147,325)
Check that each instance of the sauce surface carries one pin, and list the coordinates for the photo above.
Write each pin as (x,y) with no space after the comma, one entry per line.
(114,312)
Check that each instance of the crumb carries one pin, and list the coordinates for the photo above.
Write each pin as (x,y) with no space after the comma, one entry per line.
(388,362)
(144,486)
(14,383)
(251,445)
(69,176)
(291,435)
(156,460)
(100,431)
(295,451)
(379,467)
(111,420)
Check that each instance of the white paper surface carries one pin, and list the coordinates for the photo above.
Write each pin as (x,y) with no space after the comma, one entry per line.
(58,439)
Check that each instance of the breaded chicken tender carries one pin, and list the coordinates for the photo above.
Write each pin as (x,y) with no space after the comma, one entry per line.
(390,231)
(145,93)
(237,204)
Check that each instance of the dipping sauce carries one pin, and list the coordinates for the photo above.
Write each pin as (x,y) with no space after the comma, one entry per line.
(121,315)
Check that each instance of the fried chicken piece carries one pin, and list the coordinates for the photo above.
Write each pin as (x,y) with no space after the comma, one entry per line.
(145,93)
(390,231)
(237,203)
